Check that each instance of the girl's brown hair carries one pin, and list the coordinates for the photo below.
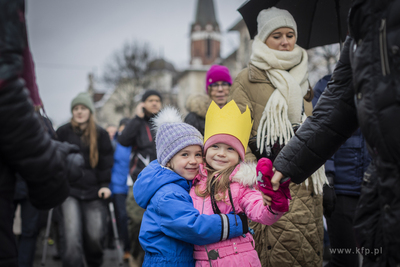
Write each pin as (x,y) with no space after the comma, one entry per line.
(217,181)
(89,137)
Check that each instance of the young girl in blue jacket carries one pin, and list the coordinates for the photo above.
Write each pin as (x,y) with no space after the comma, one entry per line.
(170,223)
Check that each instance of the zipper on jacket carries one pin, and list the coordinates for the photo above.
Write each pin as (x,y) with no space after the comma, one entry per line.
(383,48)
(367,177)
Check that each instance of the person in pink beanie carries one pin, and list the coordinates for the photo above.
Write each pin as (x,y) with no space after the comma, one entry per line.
(225,184)
(218,83)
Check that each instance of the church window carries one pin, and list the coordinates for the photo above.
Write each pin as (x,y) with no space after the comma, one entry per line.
(209,47)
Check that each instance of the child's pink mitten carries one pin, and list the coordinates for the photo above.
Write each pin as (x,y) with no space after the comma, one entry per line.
(280,197)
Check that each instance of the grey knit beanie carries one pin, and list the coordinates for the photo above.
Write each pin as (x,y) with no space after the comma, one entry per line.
(83,99)
(173,134)
(273,18)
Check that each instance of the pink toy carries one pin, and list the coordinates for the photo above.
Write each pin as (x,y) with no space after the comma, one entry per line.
(280,197)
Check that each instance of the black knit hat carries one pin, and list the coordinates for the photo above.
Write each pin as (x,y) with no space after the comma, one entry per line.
(149,93)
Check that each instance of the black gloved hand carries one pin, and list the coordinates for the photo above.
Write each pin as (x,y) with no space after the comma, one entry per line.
(245,222)
(329,196)
(73,160)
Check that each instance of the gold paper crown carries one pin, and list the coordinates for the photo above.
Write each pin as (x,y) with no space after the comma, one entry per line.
(228,120)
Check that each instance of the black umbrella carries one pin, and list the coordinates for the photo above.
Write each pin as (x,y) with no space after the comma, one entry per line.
(317,20)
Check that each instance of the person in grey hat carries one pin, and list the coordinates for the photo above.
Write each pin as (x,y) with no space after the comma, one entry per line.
(171,223)
(276,89)
(85,211)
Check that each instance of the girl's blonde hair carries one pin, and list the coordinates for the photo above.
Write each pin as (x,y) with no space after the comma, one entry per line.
(217,182)
(89,137)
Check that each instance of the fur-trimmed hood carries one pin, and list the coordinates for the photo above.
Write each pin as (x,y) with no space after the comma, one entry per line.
(198,104)
(244,173)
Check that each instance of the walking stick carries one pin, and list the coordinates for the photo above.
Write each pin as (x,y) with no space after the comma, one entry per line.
(115,231)
(46,237)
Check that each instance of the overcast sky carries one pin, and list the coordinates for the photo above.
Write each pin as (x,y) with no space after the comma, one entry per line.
(71,38)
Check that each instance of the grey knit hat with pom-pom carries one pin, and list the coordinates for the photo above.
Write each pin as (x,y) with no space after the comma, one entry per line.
(173,134)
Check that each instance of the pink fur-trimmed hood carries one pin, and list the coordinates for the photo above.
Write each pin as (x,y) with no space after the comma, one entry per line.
(244,173)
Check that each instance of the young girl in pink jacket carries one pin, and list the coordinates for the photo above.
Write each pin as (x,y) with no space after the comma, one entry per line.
(225,184)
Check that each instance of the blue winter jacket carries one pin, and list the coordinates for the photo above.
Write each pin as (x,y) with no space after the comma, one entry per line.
(171,224)
(120,170)
(350,161)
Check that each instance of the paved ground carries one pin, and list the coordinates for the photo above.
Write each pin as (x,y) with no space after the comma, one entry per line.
(110,257)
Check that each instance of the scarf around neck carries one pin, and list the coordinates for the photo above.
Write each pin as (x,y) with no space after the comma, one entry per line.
(288,73)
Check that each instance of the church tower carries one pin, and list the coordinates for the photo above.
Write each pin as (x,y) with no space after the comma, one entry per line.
(205,35)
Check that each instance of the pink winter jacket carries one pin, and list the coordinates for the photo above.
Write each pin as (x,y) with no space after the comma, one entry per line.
(238,251)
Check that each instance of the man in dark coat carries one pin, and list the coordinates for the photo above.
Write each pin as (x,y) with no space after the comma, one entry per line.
(139,135)
(364,92)
(25,147)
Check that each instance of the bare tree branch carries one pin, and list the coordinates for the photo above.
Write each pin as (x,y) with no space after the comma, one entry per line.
(128,64)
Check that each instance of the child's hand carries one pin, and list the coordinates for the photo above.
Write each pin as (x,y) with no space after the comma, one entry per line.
(278,199)
(266,199)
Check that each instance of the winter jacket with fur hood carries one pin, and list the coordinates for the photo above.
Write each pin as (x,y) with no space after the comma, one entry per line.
(25,147)
(170,223)
(245,199)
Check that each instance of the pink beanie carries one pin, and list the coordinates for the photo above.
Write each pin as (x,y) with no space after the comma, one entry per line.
(217,73)
(226,139)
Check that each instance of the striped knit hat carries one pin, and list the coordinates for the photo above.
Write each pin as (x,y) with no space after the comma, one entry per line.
(173,134)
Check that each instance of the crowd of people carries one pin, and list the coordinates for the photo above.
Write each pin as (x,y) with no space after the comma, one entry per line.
(211,189)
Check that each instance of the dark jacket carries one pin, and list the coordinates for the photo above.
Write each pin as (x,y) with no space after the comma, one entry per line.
(333,121)
(138,134)
(93,179)
(27,149)
(349,163)
(375,57)
(364,91)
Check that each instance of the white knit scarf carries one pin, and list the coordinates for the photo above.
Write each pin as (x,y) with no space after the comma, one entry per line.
(288,73)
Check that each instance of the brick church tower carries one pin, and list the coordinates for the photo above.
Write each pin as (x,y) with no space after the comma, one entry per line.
(205,35)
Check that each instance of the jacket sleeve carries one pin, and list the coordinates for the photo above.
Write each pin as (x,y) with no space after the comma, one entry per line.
(242,100)
(253,205)
(180,220)
(333,121)
(129,134)
(106,159)
(27,149)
